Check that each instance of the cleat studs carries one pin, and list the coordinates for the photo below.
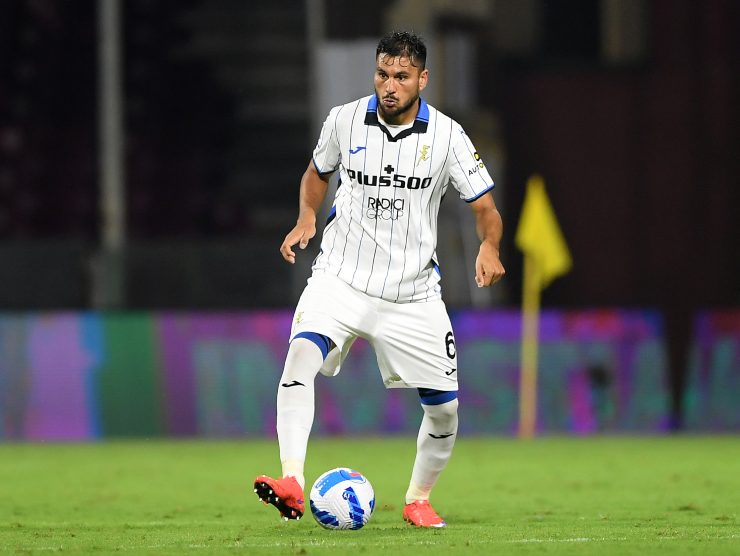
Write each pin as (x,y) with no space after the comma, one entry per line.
(270,492)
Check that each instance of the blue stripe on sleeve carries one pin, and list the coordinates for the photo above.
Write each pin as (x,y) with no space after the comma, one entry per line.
(325,172)
(479,195)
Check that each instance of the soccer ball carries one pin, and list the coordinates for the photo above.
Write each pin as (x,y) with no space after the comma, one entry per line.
(342,498)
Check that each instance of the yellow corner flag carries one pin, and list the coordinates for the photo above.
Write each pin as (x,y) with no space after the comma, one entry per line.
(546,257)
(538,234)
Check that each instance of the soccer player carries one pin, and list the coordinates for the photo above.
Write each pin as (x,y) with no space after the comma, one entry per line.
(376,275)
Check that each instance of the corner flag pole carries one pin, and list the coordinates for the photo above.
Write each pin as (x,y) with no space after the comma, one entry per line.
(529,349)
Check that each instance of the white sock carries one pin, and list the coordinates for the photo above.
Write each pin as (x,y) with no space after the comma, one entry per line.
(432,454)
(295,405)
(294,468)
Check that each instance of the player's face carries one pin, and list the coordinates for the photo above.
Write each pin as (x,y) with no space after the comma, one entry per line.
(398,84)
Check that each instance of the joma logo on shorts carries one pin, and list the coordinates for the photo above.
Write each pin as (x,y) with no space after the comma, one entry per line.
(384,209)
(396,180)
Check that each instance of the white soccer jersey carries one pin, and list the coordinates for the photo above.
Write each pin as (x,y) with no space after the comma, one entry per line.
(381,234)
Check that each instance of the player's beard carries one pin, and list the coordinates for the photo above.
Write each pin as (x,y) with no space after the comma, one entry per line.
(397,112)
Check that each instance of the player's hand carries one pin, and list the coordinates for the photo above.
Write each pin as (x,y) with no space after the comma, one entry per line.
(488,267)
(301,234)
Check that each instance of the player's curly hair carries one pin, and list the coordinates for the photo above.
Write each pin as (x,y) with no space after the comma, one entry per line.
(404,43)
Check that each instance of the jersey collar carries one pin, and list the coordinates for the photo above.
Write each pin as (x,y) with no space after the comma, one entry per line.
(419,126)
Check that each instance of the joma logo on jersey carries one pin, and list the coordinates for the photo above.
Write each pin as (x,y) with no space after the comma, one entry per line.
(385,209)
(396,180)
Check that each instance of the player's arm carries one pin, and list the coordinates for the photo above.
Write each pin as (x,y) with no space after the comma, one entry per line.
(488,224)
(312,194)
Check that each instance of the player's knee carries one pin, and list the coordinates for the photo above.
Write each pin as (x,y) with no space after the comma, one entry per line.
(304,359)
(451,407)
(444,411)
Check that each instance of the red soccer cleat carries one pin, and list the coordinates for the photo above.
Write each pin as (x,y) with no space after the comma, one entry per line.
(285,494)
(421,514)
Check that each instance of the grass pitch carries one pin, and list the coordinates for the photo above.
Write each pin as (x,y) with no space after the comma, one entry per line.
(650,495)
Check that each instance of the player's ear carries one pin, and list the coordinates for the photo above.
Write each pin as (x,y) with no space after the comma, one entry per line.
(423,79)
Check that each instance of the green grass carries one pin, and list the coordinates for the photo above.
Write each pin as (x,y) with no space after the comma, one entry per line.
(652,495)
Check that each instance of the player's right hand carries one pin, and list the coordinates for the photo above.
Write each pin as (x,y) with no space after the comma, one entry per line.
(301,234)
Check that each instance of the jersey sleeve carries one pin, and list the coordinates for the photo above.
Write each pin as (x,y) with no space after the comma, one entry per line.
(326,155)
(468,174)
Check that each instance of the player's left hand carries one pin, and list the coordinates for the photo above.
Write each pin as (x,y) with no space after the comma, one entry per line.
(488,267)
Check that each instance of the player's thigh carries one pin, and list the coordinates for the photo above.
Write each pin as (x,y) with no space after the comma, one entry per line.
(330,307)
(415,346)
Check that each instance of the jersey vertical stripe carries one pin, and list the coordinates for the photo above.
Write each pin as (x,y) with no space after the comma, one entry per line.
(382,233)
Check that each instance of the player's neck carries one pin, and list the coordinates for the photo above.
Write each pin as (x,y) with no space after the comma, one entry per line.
(407,117)
(393,125)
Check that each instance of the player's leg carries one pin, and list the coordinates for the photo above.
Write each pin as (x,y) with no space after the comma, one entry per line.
(295,413)
(434,446)
(321,335)
(295,399)
(416,348)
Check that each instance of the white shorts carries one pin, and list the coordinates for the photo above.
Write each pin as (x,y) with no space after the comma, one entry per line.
(413,342)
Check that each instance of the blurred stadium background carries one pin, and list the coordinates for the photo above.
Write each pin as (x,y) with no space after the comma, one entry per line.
(141,288)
